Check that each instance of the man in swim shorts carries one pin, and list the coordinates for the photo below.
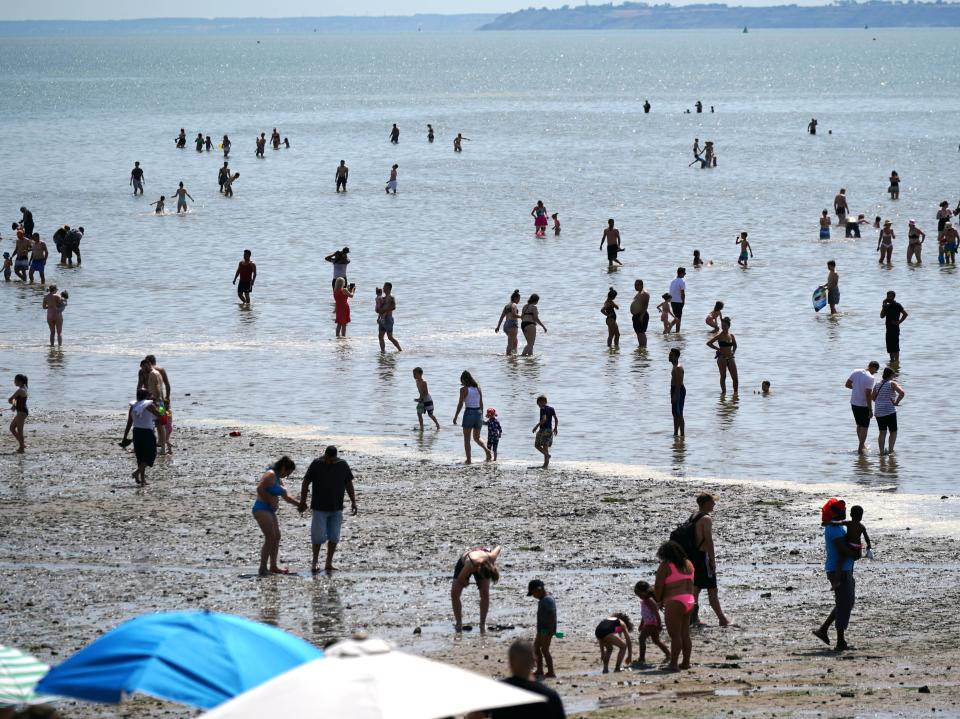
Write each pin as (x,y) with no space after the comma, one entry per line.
(21,252)
(678,392)
(705,562)
(611,236)
(38,258)
(136,179)
(639,313)
(385,309)
(247,274)
(342,173)
(832,286)
(860,384)
(678,294)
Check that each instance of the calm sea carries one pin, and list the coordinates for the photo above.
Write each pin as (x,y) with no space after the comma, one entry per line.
(551,116)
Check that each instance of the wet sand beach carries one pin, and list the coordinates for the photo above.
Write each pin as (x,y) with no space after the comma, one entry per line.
(82,549)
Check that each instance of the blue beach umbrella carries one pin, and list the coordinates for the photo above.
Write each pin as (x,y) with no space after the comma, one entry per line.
(196,658)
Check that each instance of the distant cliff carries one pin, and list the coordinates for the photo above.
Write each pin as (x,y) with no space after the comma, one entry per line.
(641,16)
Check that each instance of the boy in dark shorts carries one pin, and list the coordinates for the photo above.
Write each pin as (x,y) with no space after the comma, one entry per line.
(546,628)
(857,534)
(424,400)
(545,430)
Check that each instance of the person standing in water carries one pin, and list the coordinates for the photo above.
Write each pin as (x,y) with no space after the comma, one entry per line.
(342,295)
(275,139)
(225,145)
(840,206)
(136,179)
(181,194)
(343,172)
(609,310)
(725,346)
(38,259)
(887,395)
(429,132)
(715,315)
(678,295)
(223,175)
(18,401)
(509,319)
(894,315)
(894,188)
(247,274)
(198,142)
(529,319)
(261,143)
(678,392)
(392,182)
(832,286)
(915,240)
(471,402)
(639,312)
(885,242)
(458,142)
(812,126)
(270,489)
(545,429)
(744,249)
(395,134)
(54,304)
(860,383)
(611,236)
(385,309)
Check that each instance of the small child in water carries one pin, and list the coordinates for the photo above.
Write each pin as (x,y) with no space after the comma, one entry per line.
(286,143)
(744,249)
(764,388)
(556,223)
(650,624)
(228,184)
(424,400)
(159,204)
(857,533)
(697,262)
(494,431)
(666,314)
(62,304)
(7,266)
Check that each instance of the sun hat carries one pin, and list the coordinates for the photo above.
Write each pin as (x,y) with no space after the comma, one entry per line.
(491,412)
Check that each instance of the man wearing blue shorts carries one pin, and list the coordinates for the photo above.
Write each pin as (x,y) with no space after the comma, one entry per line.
(329,477)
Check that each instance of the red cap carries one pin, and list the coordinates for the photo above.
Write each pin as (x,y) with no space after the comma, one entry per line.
(491,412)
(832,509)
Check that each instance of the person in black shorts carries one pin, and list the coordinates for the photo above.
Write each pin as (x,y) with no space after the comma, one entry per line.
(705,561)
(894,315)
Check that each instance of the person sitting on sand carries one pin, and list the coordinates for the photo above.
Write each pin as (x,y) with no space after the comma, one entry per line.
(608,634)
(269,492)
(650,624)
(673,591)
(481,564)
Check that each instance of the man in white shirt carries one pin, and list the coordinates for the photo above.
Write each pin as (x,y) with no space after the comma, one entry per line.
(860,384)
(678,294)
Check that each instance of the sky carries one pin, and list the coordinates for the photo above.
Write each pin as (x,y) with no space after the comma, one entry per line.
(124,9)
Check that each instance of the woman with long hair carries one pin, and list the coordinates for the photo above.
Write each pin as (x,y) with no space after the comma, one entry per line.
(529,319)
(673,591)
(510,319)
(725,346)
(269,491)
(471,402)
(341,299)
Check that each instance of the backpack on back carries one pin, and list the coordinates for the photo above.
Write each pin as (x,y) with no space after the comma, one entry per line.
(686,535)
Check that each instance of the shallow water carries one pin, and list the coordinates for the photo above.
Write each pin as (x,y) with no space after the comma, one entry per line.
(552,116)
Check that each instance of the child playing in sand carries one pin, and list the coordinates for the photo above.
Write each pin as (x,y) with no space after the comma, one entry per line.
(494,430)
(546,628)
(613,632)
(650,624)
(666,314)
(159,204)
(424,400)
(556,224)
(744,249)
(857,533)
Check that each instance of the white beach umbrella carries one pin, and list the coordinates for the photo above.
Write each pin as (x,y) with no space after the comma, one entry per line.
(368,680)
(19,674)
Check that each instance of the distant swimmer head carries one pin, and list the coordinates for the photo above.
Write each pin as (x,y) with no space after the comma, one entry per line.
(765,386)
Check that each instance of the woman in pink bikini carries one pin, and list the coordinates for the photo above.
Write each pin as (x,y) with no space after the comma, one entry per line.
(674,592)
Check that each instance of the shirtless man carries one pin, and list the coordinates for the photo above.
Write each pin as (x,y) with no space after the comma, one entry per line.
(392,182)
(458,142)
(385,309)
(611,236)
(21,261)
(481,564)
(638,310)
(812,126)
(342,173)
(678,392)
(275,139)
(395,134)
(840,205)
(153,378)
(224,174)
(38,258)
(832,286)
(136,179)
(705,562)
(247,273)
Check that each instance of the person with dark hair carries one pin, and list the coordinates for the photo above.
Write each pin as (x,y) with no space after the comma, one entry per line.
(608,634)
(386,306)
(70,246)
(724,345)
(704,559)
(715,315)
(611,235)
(54,304)
(678,392)
(136,179)
(269,491)
(546,627)
(887,395)
(481,564)
(510,320)
(395,134)
(343,173)
(26,221)
(639,314)
(860,383)
(247,274)
(650,624)
(673,591)
(18,400)
(521,659)
(893,314)
(471,402)
(529,319)
(142,416)
(839,569)
(339,259)
(678,295)
(609,310)
(329,477)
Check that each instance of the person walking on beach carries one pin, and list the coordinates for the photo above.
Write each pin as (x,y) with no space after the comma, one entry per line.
(424,400)
(136,179)
(609,310)
(181,194)
(510,319)
(840,206)
(395,134)
(270,490)
(223,174)
(678,392)
(887,395)
(181,139)
(832,286)
(915,240)
(825,223)
(520,658)
(724,344)
(639,313)
(948,241)
(839,567)
(678,295)
(539,215)
(343,172)
(529,319)
(339,259)
(247,274)
(611,236)
(860,383)
(673,589)
(894,315)
(885,242)
(745,247)
(18,401)
(326,480)
(38,259)
(704,558)
(143,416)
(894,188)
(54,304)
(342,294)
(392,182)
(386,306)
(471,402)
(546,627)
(275,139)
(481,564)
(545,429)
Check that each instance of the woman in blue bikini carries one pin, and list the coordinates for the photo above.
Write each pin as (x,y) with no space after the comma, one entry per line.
(269,491)
(509,319)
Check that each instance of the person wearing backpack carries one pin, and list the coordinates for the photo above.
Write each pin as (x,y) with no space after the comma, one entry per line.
(696,537)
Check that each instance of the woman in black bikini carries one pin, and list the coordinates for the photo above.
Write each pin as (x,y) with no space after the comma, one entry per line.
(529,319)
(725,345)
(481,564)
(609,310)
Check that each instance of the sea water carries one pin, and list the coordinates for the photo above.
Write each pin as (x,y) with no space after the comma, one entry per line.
(554,116)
